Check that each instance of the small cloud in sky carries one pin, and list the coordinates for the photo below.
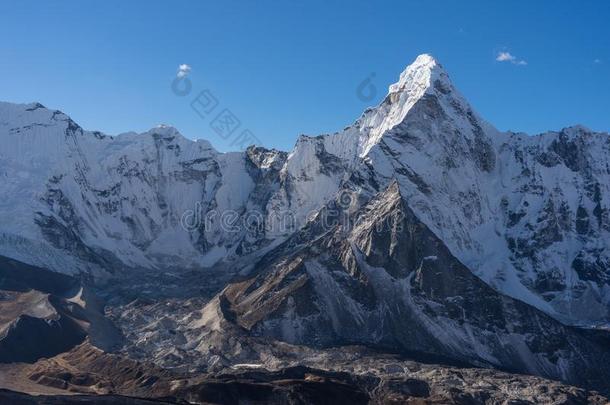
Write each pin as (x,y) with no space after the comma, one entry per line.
(183,70)
(508,57)
(505,57)
(597,61)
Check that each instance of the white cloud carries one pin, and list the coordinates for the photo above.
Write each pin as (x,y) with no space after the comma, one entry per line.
(183,70)
(508,57)
(504,57)
(597,61)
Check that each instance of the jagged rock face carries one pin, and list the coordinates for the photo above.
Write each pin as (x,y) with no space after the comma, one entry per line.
(380,277)
(556,220)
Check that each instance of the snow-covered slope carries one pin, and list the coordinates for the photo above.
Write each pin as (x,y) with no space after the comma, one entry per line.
(527,214)
(76,200)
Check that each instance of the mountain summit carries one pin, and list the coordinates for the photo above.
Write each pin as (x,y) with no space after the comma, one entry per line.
(421,74)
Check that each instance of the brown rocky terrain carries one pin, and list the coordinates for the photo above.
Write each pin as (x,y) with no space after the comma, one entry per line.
(354,375)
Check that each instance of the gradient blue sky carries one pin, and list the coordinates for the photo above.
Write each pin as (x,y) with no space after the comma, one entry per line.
(287,68)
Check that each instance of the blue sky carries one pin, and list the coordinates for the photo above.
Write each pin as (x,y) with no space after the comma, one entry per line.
(287,68)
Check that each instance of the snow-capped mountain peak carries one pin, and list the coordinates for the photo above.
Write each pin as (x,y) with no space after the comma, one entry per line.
(426,84)
(164,129)
(419,75)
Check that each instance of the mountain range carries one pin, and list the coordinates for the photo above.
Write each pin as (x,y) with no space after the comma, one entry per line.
(419,230)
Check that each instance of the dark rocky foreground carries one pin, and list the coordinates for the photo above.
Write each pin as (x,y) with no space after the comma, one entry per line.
(239,366)
(349,377)
(19,398)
